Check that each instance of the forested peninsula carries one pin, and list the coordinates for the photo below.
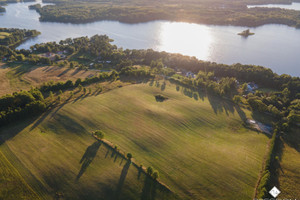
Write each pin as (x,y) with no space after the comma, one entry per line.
(204,12)
(14,36)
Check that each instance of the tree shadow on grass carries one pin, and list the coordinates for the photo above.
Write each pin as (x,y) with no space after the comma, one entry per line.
(9,131)
(64,72)
(151,82)
(218,104)
(81,96)
(76,71)
(58,108)
(122,179)
(149,189)
(163,86)
(40,120)
(88,157)
(240,112)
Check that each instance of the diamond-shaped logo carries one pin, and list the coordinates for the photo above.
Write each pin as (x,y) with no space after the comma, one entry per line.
(274,192)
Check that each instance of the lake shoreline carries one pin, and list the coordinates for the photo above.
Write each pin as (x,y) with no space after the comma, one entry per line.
(213,43)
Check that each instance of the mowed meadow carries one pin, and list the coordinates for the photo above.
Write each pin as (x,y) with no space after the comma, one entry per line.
(289,171)
(23,76)
(196,142)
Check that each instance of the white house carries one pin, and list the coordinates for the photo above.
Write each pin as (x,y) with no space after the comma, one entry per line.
(190,74)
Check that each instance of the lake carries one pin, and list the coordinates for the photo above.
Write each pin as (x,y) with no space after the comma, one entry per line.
(273,46)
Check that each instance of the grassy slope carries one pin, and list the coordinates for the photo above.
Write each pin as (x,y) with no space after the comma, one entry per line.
(200,151)
(289,178)
(53,159)
(12,184)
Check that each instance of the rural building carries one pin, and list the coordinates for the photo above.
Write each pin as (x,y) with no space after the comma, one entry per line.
(190,74)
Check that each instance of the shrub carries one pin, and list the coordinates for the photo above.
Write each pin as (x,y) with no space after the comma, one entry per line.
(150,170)
(155,175)
(129,156)
(99,134)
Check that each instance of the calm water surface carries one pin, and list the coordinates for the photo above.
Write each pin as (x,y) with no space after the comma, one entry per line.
(273,46)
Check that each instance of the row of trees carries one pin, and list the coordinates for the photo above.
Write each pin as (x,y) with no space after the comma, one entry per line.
(206,82)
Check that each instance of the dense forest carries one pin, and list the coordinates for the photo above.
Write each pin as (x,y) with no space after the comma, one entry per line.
(208,12)
(13,36)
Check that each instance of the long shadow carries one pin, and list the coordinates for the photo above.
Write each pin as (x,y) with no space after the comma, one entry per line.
(76,71)
(85,96)
(149,189)
(46,68)
(240,112)
(151,82)
(81,96)
(163,86)
(218,104)
(40,120)
(88,157)
(64,72)
(58,108)
(122,179)
(9,131)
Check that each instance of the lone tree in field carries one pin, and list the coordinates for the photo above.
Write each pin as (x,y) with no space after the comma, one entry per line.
(99,134)
(129,156)
(150,170)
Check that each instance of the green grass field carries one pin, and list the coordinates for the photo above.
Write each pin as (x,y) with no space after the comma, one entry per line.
(12,184)
(198,144)
(289,176)
(4,35)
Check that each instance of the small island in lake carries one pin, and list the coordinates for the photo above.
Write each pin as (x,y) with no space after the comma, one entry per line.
(2,9)
(246,33)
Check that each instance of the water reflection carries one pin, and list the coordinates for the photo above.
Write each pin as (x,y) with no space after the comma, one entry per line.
(185,38)
(273,46)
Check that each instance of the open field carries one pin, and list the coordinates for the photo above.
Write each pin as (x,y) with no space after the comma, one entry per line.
(289,176)
(12,184)
(197,143)
(74,166)
(4,35)
(24,76)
